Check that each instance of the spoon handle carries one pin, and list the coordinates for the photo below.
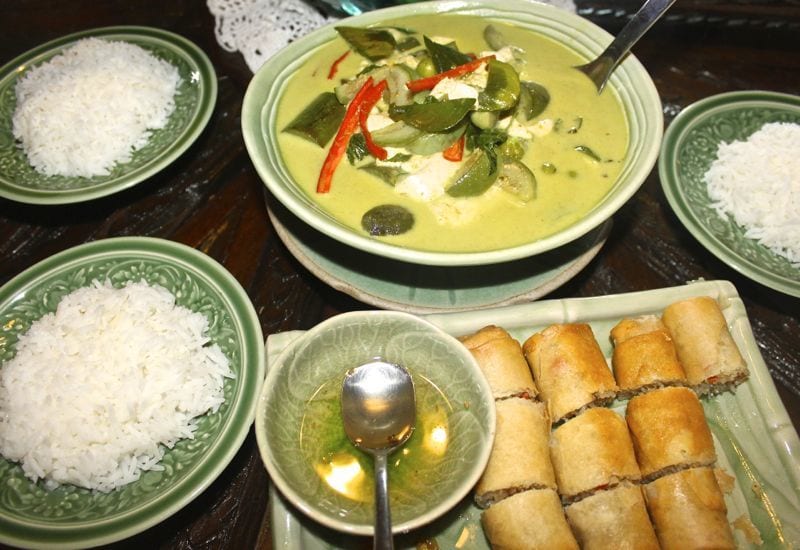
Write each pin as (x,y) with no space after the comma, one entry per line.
(648,14)
(383,518)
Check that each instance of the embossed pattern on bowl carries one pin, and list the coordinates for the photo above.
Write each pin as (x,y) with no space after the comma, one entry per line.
(194,103)
(690,146)
(69,516)
(324,353)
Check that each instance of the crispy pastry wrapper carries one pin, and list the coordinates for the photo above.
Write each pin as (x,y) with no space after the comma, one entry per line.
(616,518)
(520,457)
(500,358)
(569,369)
(668,428)
(635,326)
(592,452)
(704,344)
(528,521)
(688,510)
(646,361)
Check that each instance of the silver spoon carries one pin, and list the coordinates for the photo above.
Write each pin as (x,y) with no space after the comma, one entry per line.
(601,68)
(378,412)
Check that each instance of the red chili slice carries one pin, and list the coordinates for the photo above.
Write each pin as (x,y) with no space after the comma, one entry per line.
(335,65)
(346,130)
(456,150)
(429,82)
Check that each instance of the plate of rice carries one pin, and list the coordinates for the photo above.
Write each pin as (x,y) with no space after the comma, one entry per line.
(729,168)
(129,373)
(98,111)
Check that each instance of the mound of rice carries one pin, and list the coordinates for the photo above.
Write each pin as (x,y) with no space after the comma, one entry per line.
(88,108)
(100,387)
(757,183)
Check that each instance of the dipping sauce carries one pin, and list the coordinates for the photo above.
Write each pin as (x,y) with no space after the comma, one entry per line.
(346,471)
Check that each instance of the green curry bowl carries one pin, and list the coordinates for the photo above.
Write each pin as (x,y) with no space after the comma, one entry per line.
(308,455)
(452,133)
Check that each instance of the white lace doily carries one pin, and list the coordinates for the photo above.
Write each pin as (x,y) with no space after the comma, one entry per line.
(259,28)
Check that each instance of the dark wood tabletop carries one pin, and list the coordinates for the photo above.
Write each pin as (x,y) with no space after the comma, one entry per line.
(212,199)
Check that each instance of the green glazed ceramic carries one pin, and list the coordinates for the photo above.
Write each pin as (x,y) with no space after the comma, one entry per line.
(690,146)
(415,288)
(31,516)
(630,82)
(754,438)
(194,103)
(299,416)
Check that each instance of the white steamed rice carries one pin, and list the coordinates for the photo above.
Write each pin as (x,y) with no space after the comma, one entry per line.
(757,182)
(88,108)
(100,387)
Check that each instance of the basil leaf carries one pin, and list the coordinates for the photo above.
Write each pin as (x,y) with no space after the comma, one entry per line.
(357,148)
(433,116)
(374,44)
(445,57)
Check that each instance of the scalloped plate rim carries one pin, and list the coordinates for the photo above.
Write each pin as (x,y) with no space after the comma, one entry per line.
(204,107)
(232,430)
(674,137)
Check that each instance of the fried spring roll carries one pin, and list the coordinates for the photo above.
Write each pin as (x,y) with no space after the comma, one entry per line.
(500,358)
(688,510)
(520,457)
(669,429)
(569,368)
(592,451)
(704,344)
(646,361)
(635,326)
(528,521)
(616,518)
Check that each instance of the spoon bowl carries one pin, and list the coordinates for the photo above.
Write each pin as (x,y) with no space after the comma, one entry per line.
(378,413)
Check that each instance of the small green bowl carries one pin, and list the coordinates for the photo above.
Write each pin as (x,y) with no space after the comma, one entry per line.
(630,82)
(307,454)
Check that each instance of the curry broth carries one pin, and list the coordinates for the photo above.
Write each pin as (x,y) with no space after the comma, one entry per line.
(498,219)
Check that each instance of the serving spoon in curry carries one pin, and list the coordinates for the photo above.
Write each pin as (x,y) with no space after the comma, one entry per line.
(379,412)
(599,69)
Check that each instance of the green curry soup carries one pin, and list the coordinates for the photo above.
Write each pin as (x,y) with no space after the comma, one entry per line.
(347,473)
(575,151)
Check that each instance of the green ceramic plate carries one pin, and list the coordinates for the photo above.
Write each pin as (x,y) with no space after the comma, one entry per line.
(194,103)
(754,437)
(690,146)
(30,516)
(415,288)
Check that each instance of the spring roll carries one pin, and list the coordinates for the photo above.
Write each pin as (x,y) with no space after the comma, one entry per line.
(528,521)
(688,510)
(616,518)
(500,358)
(635,326)
(520,457)
(669,430)
(704,344)
(592,452)
(646,361)
(569,369)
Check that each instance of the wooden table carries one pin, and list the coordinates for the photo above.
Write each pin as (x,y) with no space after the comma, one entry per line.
(211,199)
